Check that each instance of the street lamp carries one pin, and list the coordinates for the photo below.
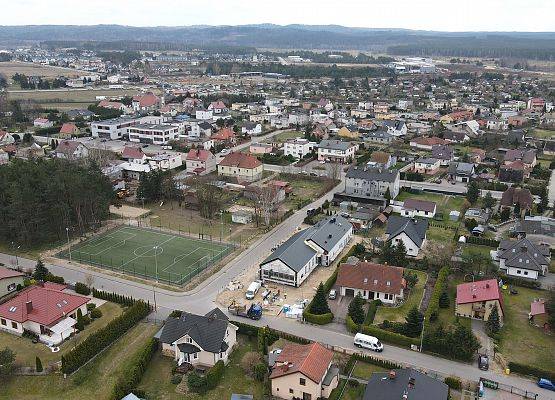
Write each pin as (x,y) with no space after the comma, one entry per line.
(422,334)
(15,253)
(68,243)
(156,261)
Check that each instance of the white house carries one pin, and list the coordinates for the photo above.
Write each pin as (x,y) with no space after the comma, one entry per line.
(523,258)
(200,162)
(412,232)
(43,123)
(336,151)
(71,150)
(199,339)
(298,147)
(204,114)
(251,128)
(418,208)
(293,261)
(153,133)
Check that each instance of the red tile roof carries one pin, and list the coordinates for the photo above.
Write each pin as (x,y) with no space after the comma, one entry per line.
(419,205)
(198,155)
(224,134)
(48,305)
(478,291)
(240,160)
(372,277)
(132,152)
(9,273)
(148,100)
(311,360)
(68,128)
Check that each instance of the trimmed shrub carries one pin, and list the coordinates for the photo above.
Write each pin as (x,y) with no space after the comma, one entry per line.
(480,241)
(86,320)
(196,382)
(371,313)
(114,297)
(176,314)
(96,313)
(453,382)
(531,370)
(382,334)
(126,384)
(433,306)
(214,375)
(317,319)
(104,337)
(83,289)
(511,280)
(38,364)
(91,306)
(176,379)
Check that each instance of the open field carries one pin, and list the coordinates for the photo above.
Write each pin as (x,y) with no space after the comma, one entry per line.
(284,136)
(12,67)
(156,380)
(95,380)
(398,314)
(68,96)
(26,350)
(150,254)
(520,341)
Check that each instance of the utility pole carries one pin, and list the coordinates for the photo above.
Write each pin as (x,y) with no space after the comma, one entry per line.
(68,243)
(156,261)
(422,334)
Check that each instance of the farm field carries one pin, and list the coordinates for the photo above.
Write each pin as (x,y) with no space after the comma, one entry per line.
(150,254)
(12,67)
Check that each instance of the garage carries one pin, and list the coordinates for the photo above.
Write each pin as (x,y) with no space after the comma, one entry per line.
(350,292)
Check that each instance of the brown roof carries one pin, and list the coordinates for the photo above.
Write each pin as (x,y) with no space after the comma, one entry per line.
(380,157)
(198,155)
(514,195)
(419,205)
(68,128)
(311,360)
(240,160)
(132,152)
(372,277)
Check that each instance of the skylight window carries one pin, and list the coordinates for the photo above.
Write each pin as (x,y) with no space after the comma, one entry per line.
(13,308)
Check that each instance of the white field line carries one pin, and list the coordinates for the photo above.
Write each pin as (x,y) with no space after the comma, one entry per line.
(109,247)
(142,254)
(182,256)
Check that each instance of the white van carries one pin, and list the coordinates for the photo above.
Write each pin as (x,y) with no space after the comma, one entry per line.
(368,342)
(252,290)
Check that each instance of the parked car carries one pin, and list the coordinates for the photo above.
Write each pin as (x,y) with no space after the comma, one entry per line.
(253,288)
(483,362)
(546,384)
(368,342)
(332,295)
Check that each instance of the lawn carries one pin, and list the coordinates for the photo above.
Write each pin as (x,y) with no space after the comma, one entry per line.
(12,67)
(284,136)
(446,316)
(26,350)
(439,234)
(156,380)
(148,253)
(364,370)
(543,133)
(352,391)
(520,341)
(304,188)
(94,381)
(475,249)
(399,313)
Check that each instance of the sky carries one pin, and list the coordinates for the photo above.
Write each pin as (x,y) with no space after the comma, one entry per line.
(439,15)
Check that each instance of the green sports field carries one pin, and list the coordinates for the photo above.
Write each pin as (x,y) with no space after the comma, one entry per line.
(148,253)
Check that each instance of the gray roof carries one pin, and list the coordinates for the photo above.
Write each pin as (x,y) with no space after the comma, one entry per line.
(334,144)
(524,254)
(415,229)
(373,174)
(381,133)
(430,161)
(544,226)
(208,331)
(417,385)
(461,168)
(188,348)
(295,253)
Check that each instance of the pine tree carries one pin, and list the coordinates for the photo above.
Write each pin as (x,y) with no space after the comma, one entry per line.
(473,192)
(387,253)
(319,303)
(488,201)
(41,271)
(400,256)
(387,196)
(492,324)
(38,364)
(444,300)
(356,312)
(413,322)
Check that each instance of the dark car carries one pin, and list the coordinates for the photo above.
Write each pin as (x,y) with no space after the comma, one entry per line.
(546,384)
(483,362)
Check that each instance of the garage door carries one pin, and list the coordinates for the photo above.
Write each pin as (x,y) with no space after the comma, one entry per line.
(350,292)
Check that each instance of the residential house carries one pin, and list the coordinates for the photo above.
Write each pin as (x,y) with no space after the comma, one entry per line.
(411,231)
(43,123)
(405,384)
(426,166)
(372,281)
(113,105)
(241,166)
(46,310)
(381,159)
(224,136)
(71,150)
(261,148)
(372,183)
(304,371)
(443,153)
(349,132)
(380,136)
(395,128)
(165,161)
(418,208)
(251,128)
(526,156)
(68,130)
(9,280)
(460,171)
(514,172)
(204,114)
(200,162)
(147,102)
(476,156)
(336,151)
(477,299)
(6,138)
(199,340)
(218,107)
(523,258)
(426,143)
(455,136)
(477,214)
(298,147)
(513,196)
(293,261)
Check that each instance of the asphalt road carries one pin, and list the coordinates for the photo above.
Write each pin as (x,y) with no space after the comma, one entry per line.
(202,298)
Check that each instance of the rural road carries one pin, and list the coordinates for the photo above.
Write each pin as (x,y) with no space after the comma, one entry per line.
(202,298)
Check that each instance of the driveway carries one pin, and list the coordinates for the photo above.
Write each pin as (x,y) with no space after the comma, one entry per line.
(479,329)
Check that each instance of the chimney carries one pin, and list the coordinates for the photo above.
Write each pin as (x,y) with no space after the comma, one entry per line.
(29,306)
(487,285)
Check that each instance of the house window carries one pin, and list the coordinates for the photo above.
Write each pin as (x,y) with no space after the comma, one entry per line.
(3,321)
(188,340)
(302,381)
(290,390)
(195,356)
(14,325)
(525,272)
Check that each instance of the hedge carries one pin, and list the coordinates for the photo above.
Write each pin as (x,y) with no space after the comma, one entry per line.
(382,334)
(482,241)
(83,289)
(453,382)
(114,297)
(532,371)
(214,375)
(321,319)
(134,373)
(380,362)
(252,331)
(104,337)
(372,308)
(439,288)
(511,280)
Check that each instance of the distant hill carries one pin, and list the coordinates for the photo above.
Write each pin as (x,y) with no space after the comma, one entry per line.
(331,37)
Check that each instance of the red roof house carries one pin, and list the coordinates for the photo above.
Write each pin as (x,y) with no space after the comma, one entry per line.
(477,299)
(68,130)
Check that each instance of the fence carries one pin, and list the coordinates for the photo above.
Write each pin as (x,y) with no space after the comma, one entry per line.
(488,383)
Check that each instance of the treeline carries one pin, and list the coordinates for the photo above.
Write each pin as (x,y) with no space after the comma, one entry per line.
(39,199)
(37,82)
(298,71)
(490,47)
(124,57)
(329,57)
